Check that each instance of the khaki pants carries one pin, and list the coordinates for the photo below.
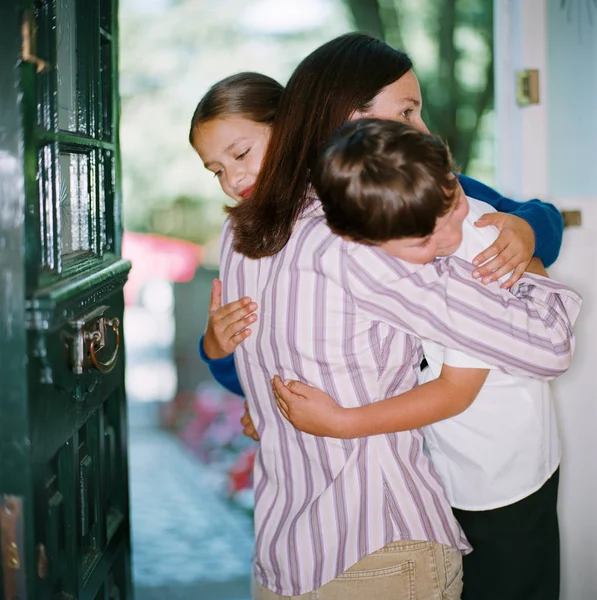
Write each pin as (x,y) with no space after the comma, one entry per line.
(404,570)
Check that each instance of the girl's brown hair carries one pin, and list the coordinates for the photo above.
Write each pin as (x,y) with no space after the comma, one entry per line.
(250,95)
(328,86)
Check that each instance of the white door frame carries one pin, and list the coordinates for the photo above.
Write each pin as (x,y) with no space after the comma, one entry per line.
(523,135)
(520,34)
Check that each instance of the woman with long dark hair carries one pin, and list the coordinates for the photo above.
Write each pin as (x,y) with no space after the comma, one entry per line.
(363,518)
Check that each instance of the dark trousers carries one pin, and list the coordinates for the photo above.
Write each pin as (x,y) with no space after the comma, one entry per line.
(516,549)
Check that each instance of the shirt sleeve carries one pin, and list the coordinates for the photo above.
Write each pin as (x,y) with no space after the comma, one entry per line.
(544,218)
(526,331)
(223,371)
(455,358)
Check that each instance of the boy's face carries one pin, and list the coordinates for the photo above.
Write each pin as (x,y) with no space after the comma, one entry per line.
(445,239)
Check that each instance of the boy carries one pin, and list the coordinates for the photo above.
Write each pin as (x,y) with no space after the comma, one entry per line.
(499,458)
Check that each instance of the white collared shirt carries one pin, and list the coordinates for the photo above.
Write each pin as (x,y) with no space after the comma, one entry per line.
(505,445)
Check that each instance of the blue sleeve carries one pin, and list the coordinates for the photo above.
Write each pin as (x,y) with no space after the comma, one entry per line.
(223,371)
(544,218)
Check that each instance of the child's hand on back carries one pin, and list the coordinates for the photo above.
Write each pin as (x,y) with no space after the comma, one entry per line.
(308,408)
(512,251)
(248,426)
(227,326)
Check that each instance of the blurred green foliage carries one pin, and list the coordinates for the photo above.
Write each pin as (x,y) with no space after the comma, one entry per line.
(171,51)
(451,42)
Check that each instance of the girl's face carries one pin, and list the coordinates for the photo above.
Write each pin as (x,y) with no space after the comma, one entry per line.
(399,101)
(233,149)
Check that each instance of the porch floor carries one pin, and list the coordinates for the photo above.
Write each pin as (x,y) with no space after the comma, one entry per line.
(188,542)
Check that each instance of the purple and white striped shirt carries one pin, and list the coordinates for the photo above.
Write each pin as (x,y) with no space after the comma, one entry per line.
(346,318)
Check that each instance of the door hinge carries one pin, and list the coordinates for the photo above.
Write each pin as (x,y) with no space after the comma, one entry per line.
(11,547)
(29,43)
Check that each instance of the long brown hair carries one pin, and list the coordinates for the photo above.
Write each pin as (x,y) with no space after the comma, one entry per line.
(383,180)
(328,86)
(253,96)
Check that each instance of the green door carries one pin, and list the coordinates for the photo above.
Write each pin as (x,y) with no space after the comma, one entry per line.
(64,516)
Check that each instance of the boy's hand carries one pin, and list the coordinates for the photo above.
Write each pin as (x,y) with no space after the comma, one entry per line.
(512,251)
(308,408)
(247,423)
(227,325)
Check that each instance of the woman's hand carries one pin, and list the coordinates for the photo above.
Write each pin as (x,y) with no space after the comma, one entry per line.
(227,326)
(512,251)
(308,408)
(247,423)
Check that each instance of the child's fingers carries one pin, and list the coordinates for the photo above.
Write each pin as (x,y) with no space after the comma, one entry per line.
(234,311)
(500,271)
(285,392)
(250,431)
(283,407)
(248,426)
(277,385)
(246,420)
(215,300)
(239,337)
(518,272)
(275,382)
(298,388)
(494,250)
(237,326)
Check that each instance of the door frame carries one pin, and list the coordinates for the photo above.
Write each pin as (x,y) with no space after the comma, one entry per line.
(520,42)
(526,164)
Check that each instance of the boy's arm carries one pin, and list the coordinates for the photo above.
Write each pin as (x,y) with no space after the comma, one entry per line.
(313,411)
(544,218)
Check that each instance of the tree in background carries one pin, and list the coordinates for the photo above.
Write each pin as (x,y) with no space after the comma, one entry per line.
(457,85)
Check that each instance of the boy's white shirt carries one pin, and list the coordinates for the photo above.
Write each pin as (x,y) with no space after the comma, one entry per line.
(506,445)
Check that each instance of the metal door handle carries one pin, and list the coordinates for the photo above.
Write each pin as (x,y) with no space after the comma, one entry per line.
(89,337)
(98,337)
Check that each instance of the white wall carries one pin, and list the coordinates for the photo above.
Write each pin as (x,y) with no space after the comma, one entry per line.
(572,181)
(550,151)
(576,394)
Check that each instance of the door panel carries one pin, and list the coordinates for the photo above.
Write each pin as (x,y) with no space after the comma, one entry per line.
(63,455)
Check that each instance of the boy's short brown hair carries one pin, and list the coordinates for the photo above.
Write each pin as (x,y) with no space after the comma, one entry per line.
(382,180)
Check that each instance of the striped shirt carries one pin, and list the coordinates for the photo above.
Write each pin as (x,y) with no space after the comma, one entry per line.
(346,318)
